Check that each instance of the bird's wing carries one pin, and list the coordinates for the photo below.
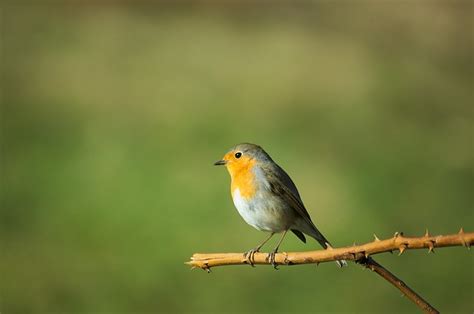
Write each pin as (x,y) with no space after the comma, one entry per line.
(282,185)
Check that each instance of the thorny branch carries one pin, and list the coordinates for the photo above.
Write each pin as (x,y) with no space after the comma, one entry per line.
(359,253)
(355,252)
(399,284)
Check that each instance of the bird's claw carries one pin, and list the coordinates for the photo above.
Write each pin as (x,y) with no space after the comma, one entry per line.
(250,256)
(271,259)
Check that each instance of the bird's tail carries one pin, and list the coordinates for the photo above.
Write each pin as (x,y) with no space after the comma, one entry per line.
(318,236)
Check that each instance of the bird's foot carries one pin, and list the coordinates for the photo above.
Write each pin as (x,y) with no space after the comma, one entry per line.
(250,255)
(271,259)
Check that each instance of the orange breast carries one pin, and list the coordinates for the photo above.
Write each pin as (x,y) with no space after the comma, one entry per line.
(243,178)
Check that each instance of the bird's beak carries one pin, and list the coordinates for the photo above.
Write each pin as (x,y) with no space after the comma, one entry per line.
(220,163)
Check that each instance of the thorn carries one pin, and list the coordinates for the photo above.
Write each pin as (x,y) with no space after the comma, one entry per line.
(402,249)
(376,238)
(430,246)
(354,244)
(398,234)
(206,268)
(328,246)
(463,241)
(427,233)
(366,254)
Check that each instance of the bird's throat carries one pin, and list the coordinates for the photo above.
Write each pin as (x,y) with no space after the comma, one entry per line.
(243,178)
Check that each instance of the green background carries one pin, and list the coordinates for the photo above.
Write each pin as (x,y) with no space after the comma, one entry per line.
(113,114)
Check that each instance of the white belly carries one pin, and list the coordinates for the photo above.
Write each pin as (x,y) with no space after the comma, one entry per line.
(262,214)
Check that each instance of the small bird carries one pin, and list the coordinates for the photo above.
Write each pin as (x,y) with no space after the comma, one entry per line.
(267,199)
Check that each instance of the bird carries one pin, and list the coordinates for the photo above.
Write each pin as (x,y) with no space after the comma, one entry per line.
(267,198)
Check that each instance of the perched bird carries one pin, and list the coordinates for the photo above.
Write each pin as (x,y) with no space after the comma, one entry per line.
(266,198)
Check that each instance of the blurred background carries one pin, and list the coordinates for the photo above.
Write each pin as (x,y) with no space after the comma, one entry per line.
(112,116)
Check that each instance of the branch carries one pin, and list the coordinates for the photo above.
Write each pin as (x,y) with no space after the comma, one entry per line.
(355,253)
(359,253)
(399,284)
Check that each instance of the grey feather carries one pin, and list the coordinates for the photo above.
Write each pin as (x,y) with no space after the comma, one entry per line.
(299,234)
(282,186)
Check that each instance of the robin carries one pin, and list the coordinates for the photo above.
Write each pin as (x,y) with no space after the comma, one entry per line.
(267,199)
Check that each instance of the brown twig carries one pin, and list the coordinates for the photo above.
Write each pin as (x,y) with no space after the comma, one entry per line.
(358,253)
(355,252)
(399,284)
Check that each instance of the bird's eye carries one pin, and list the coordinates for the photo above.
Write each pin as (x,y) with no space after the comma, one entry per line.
(238,155)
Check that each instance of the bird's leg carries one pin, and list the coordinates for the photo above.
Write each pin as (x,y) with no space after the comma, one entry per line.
(250,253)
(271,256)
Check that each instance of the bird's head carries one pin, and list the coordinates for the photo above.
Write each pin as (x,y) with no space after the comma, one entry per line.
(243,156)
